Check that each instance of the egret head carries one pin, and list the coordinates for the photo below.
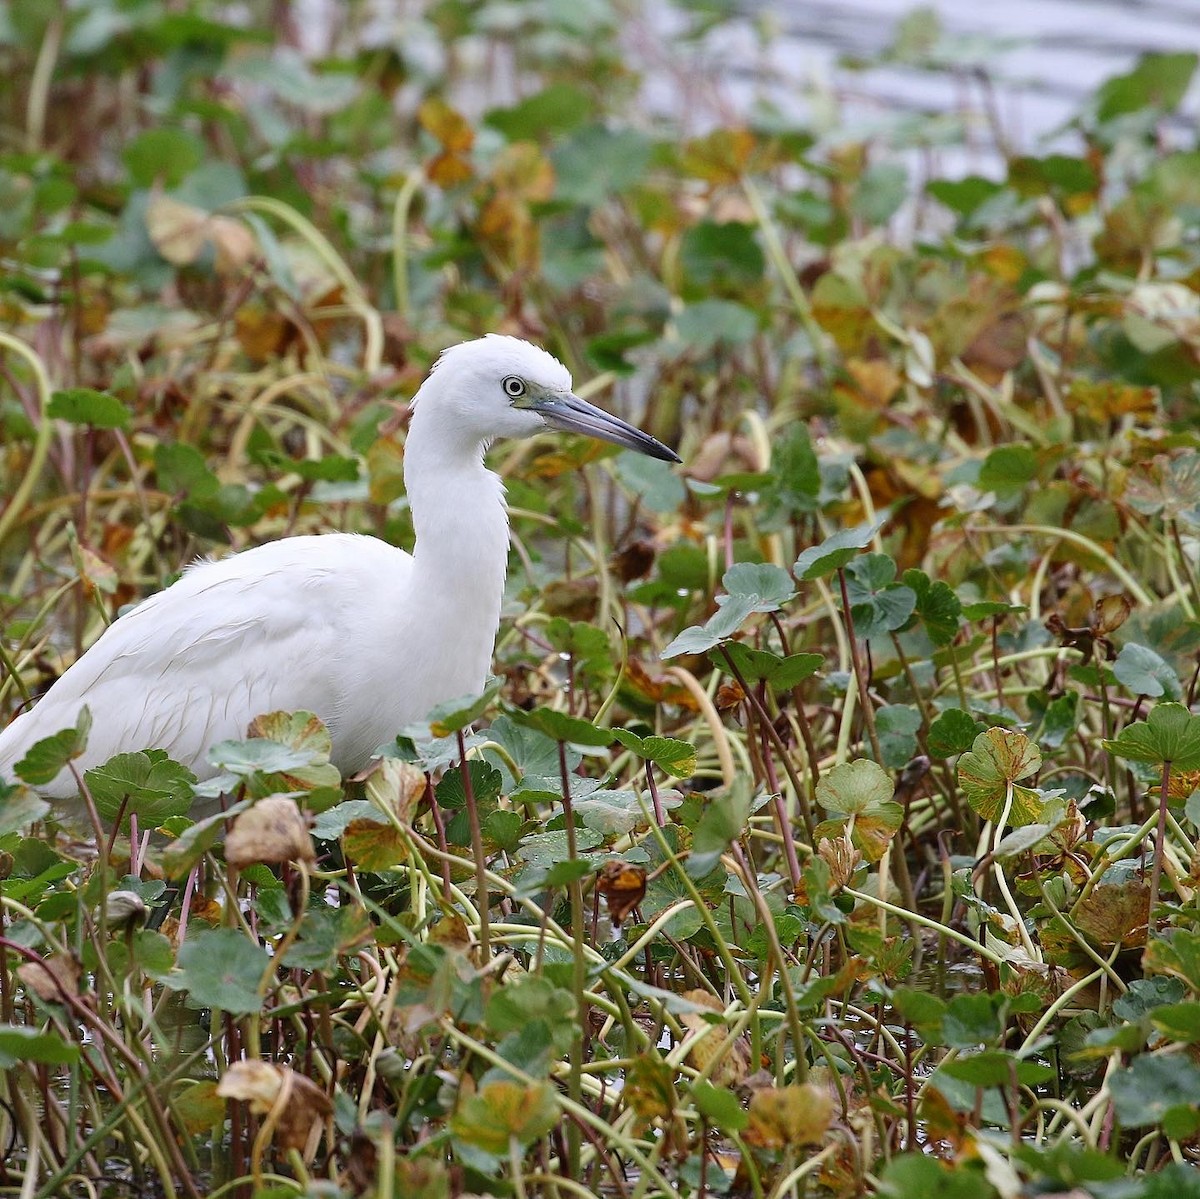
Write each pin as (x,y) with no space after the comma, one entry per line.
(504,387)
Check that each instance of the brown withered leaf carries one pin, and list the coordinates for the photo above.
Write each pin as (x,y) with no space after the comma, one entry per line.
(649,1087)
(841,857)
(734,1055)
(721,453)
(294,1101)
(575,599)
(371,845)
(1181,785)
(1116,913)
(781,1117)
(396,787)
(522,170)
(999,347)
(50,977)
(875,380)
(658,689)
(622,886)
(718,157)
(634,561)
(235,245)
(729,695)
(1110,613)
(449,169)
(362,1167)
(1105,400)
(262,332)
(179,231)
(944,1122)
(446,124)
(273,831)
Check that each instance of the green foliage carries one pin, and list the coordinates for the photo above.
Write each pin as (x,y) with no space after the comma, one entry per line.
(935,536)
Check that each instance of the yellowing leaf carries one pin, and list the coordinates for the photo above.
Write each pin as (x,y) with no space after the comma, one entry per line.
(734,1063)
(649,1087)
(179,231)
(502,1111)
(997,758)
(781,1117)
(446,124)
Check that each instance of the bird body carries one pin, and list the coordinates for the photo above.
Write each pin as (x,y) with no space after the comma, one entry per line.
(366,636)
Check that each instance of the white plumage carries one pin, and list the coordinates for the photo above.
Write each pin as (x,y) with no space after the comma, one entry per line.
(368,637)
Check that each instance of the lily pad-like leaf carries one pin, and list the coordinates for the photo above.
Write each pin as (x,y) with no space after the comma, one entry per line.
(952,732)
(854,787)
(1152,1084)
(938,608)
(155,786)
(456,714)
(84,406)
(898,725)
(766,586)
(677,758)
(46,758)
(758,664)
(1143,672)
(617,812)
(558,726)
(859,794)
(1169,734)
(500,1112)
(19,1043)
(19,808)
(724,818)
(221,969)
(820,560)
(997,759)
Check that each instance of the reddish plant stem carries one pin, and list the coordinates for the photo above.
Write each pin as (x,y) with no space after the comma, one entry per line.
(482,899)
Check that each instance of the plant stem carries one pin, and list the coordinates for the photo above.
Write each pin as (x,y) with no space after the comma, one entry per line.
(482,899)
(578,973)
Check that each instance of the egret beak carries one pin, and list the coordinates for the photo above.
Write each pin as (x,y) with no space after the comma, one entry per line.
(568,412)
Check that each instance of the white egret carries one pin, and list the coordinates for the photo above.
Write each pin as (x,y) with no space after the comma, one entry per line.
(368,637)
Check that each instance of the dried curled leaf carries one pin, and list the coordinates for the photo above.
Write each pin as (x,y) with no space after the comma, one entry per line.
(295,1103)
(734,1055)
(271,832)
(50,977)
(622,886)
(784,1116)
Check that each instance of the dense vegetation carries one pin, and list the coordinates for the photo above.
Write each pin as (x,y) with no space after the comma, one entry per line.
(830,827)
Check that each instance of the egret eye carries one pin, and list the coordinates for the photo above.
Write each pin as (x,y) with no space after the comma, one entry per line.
(514,387)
